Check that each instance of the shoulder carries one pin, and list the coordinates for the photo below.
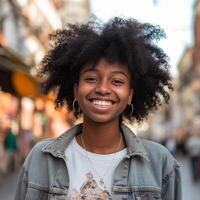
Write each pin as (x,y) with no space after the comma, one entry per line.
(41,144)
(160,156)
(155,148)
(36,153)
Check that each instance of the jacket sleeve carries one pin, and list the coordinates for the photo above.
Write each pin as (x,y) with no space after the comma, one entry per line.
(171,187)
(22,182)
(22,185)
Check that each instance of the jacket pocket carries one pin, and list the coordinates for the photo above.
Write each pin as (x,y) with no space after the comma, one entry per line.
(147,193)
(35,194)
(38,192)
(143,195)
(138,193)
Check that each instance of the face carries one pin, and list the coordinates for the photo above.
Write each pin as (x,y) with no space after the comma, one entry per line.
(103,91)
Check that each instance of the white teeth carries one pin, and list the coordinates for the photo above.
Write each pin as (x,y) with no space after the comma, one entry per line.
(102,103)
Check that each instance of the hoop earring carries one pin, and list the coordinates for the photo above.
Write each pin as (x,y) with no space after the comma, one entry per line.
(132,109)
(73,106)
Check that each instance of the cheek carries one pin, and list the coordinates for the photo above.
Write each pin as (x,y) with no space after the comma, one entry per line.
(82,91)
(80,94)
(124,95)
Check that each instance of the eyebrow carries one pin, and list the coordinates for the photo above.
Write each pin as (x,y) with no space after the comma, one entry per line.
(95,70)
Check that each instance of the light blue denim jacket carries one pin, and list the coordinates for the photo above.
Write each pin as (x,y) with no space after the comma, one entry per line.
(148,172)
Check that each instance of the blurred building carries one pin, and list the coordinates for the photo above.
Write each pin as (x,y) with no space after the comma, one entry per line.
(24,29)
(189,74)
(184,104)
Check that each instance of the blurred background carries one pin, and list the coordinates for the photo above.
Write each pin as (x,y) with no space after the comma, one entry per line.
(27,116)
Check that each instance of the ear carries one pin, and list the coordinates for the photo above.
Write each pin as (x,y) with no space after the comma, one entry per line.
(75,90)
(131,92)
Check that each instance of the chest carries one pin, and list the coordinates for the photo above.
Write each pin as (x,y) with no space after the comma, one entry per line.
(131,179)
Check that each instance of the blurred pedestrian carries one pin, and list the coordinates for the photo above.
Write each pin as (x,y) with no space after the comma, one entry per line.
(110,74)
(26,139)
(181,136)
(40,120)
(5,124)
(193,148)
(171,145)
(10,145)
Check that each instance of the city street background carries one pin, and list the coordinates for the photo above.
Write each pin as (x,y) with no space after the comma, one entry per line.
(27,115)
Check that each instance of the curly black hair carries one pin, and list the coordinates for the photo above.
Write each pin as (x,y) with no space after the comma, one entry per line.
(125,41)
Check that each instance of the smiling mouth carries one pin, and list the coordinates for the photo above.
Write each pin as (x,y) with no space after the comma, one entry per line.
(102,103)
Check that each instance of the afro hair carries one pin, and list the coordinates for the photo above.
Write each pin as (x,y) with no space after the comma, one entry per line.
(124,41)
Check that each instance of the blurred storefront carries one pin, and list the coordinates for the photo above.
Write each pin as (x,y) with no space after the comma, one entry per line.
(189,74)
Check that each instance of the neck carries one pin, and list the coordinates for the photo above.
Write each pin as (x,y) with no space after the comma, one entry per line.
(101,138)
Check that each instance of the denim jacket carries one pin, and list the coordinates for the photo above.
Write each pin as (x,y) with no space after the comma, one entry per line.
(148,172)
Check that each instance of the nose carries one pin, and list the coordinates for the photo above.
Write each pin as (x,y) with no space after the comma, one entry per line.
(103,88)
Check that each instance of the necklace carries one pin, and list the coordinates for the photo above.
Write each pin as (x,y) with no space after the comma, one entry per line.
(101,181)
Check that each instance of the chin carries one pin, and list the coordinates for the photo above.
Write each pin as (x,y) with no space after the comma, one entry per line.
(102,119)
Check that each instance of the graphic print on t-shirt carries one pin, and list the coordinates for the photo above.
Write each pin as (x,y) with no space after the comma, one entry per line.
(84,180)
(90,190)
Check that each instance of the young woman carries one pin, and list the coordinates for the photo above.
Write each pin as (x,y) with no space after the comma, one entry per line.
(108,74)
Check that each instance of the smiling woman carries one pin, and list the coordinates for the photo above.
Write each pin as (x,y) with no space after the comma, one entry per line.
(106,73)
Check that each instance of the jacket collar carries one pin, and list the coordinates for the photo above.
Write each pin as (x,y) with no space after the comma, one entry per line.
(134,144)
(57,146)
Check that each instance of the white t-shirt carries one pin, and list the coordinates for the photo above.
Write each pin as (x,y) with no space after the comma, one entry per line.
(84,176)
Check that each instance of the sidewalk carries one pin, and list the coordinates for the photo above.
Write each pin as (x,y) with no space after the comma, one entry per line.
(191,190)
(8,187)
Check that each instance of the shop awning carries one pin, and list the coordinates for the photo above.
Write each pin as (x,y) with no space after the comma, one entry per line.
(15,76)
(11,61)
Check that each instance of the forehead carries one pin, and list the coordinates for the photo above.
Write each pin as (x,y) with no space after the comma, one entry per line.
(103,66)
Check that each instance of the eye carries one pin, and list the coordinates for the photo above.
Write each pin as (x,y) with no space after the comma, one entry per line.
(117,82)
(91,79)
